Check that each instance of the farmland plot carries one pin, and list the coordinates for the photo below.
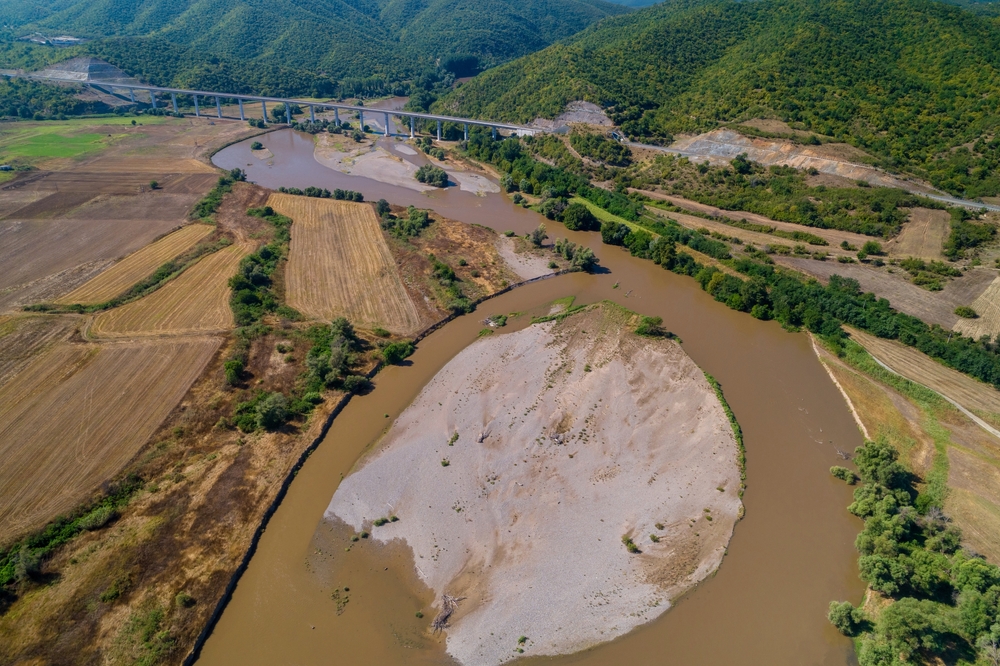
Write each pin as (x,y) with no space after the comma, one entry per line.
(340,265)
(987,306)
(78,414)
(24,337)
(136,266)
(195,302)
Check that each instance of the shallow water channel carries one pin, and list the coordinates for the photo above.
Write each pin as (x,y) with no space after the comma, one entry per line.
(790,555)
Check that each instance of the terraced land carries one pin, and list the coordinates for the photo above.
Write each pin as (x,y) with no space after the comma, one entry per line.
(195,302)
(136,266)
(79,413)
(340,265)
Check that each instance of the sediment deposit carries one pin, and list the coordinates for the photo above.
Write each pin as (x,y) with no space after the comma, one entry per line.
(521,469)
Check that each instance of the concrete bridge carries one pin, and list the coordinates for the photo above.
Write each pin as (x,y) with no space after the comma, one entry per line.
(216,99)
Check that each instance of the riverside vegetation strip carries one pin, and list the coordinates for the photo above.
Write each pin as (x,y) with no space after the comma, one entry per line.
(563,445)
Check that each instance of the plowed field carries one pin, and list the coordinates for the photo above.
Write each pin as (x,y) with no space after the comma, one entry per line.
(136,266)
(78,414)
(195,302)
(23,337)
(340,265)
(987,306)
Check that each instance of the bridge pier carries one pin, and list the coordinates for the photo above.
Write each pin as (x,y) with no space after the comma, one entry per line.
(218,107)
(494,132)
(173,99)
(131,95)
(336,116)
(288,113)
(152,98)
(263,106)
(466,130)
(312,113)
(411,127)
(387,124)
(242,116)
(439,130)
(197,111)
(361,120)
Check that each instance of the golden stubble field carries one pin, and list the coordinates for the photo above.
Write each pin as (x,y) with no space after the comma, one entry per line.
(79,413)
(138,265)
(987,306)
(340,265)
(195,302)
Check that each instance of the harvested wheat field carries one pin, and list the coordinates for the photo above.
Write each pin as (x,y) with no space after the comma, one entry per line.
(195,302)
(340,265)
(78,414)
(987,306)
(980,398)
(922,236)
(23,337)
(117,279)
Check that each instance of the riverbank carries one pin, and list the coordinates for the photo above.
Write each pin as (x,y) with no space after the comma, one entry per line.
(536,455)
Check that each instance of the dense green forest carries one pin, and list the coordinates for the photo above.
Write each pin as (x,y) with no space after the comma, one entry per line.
(284,47)
(914,82)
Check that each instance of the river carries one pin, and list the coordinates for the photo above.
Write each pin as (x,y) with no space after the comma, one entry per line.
(790,555)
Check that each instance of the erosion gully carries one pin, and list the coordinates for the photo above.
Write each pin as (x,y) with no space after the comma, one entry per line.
(790,555)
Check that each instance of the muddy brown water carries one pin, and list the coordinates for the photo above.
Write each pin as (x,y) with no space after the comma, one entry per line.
(790,555)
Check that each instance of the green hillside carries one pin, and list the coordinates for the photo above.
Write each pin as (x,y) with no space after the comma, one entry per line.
(915,82)
(301,46)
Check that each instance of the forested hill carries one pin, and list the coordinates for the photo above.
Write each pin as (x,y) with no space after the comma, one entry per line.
(912,81)
(259,43)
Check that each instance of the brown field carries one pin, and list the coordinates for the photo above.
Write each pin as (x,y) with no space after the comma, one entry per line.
(340,265)
(78,414)
(195,302)
(987,306)
(136,266)
(922,369)
(922,236)
(23,337)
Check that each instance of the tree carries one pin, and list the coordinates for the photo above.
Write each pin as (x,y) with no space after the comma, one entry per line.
(382,207)
(272,411)
(395,352)
(849,620)
(538,236)
(578,217)
(432,175)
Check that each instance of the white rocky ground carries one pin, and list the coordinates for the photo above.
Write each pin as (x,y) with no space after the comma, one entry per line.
(571,435)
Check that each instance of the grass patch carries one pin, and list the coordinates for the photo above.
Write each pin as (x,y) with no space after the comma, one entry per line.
(737,432)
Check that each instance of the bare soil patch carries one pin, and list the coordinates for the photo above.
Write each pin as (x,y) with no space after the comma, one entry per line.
(339,265)
(546,478)
(44,259)
(195,302)
(922,236)
(78,414)
(987,306)
(133,268)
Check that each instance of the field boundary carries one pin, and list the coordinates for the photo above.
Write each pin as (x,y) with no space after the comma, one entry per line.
(234,580)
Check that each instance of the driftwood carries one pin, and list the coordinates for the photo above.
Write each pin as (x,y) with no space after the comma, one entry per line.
(448,606)
(843,454)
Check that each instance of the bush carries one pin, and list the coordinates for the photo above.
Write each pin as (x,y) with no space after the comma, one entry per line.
(234,371)
(98,518)
(844,474)
(650,327)
(184,600)
(356,384)
(966,312)
(432,175)
(256,145)
(538,236)
(272,411)
(395,352)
